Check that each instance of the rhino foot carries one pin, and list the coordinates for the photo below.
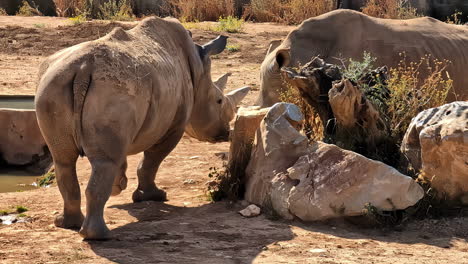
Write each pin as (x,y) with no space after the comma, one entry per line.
(149,195)
(69,221)
(95,231)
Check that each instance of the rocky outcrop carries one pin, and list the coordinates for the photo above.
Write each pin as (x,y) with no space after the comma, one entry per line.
(436,142)
(21,141)
(319,181)
(242,137)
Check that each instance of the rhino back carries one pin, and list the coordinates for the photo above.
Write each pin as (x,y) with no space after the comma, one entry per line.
(140,81)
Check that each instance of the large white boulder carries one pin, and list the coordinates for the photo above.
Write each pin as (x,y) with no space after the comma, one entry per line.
(436,143)
(334,182)
(319,181)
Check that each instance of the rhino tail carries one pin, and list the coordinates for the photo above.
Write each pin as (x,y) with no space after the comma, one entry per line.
(81,84)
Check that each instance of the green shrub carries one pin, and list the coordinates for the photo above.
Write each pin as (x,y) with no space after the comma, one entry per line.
(233,48)
(357,69)
(3,12)
(21,209)
(230,24)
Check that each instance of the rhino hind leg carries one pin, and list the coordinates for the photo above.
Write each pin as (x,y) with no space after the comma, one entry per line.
(98,191)
(59,138)
(72,217)
(149,165)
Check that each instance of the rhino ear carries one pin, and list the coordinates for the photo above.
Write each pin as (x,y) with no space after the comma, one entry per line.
(214,47)
(222,81)
(282,58)
(273,45)
(237,95)
(189,32)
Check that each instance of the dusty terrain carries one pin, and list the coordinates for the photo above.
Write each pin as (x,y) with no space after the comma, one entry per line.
(188,228)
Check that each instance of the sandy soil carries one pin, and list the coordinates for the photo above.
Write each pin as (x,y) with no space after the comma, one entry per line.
(188,228)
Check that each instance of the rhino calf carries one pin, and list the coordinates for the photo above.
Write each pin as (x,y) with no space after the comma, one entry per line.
(127,92)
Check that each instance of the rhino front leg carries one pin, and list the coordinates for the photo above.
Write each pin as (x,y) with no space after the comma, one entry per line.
(149,165)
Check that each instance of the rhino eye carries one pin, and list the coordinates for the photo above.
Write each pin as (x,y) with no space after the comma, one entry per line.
(219,101)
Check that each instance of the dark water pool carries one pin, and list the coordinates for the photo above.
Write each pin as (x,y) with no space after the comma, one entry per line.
(17,101)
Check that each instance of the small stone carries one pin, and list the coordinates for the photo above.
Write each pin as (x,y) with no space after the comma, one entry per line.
(318,250)
(189,181)
(222,155)
(250,211)
(194,157)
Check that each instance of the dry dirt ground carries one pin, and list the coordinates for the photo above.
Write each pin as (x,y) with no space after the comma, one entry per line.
(188,228)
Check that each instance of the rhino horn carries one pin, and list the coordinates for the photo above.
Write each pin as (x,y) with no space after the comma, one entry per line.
(237,95)
(222,81)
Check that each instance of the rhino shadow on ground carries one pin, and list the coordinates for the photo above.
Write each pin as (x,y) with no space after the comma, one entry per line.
(216,233)
(211,233)
(434,232)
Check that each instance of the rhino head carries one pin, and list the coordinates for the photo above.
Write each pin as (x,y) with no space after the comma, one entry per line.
(270,74)
(212,110)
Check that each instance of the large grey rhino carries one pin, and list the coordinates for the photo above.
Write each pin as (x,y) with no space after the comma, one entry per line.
(127,92)
(344,34)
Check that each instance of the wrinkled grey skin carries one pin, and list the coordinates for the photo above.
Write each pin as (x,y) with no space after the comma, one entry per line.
(342,34)
(128,92)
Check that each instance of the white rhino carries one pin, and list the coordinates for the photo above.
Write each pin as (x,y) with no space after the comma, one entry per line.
(343,34)
(127,92)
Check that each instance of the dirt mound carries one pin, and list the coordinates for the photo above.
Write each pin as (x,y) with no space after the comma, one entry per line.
(44,41)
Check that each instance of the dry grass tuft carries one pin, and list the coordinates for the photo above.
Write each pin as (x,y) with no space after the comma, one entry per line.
(287,11)
(201,10)
(411,94)
(395,9)
(27,10)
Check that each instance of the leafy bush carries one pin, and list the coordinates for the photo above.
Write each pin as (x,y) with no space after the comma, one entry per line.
(287,11)
(398,94)
(116,10)
(396,9)
(230,24)
(3,12)
(357,69)
(201,10)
